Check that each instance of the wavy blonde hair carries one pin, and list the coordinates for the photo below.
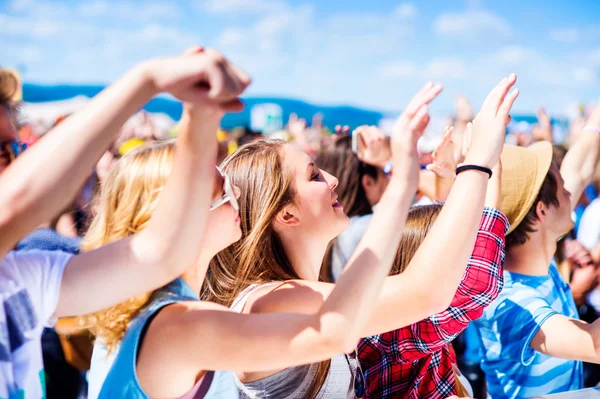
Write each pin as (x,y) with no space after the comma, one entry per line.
(124,205)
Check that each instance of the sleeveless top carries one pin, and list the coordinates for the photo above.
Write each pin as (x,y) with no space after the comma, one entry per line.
(122,382)
(295,382)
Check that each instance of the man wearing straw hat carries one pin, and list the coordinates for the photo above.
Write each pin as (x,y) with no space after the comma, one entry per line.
(533,340)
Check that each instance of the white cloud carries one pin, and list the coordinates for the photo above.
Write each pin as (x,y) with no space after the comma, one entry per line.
(231,37)
(26,26)
(129,10)
(584,75)
(438,69)
(512,55)
(398,69)
(241,6)
(565,35)
(472,24)
(406,11)
(445,68)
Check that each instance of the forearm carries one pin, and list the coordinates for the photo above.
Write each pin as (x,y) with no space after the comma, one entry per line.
(443,185)
(580,163)
(160,252)
(371,262)
(65,157)
(176,230)
(434,273)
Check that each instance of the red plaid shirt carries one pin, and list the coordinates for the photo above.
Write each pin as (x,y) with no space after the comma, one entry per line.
(416,361)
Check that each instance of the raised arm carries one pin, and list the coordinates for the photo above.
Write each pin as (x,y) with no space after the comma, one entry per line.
(171,242)
(443,165)
(43,181)
(582,159)
(480,285)
(429,283)
(274,341)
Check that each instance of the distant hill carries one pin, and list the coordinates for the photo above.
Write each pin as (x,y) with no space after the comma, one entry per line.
(331,115)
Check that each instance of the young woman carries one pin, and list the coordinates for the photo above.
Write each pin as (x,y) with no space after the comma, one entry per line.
(286,227)
(166,341)
(362,183)
(395,360)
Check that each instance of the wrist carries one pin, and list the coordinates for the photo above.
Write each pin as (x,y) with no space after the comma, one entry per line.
(145,72)
(479,161)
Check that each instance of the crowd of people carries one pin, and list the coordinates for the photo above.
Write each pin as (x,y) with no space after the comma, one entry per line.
(305,264)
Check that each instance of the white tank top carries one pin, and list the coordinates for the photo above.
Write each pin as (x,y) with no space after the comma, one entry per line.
(295,382)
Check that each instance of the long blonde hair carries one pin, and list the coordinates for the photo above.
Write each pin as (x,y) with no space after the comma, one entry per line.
(266,187)
(124,205)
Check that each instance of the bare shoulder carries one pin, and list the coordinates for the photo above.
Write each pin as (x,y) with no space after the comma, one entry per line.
(292,296)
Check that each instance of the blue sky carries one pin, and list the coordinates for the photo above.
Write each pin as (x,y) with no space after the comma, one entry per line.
(373,54)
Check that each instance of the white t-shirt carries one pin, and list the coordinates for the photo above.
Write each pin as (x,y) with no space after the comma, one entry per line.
(29,289)
(588,233)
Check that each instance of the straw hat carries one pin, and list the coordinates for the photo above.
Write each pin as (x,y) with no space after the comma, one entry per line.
(523,172)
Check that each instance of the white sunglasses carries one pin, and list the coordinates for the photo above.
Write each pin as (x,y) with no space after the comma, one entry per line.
(228,194)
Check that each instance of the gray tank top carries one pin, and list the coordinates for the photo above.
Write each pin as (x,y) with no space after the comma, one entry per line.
(295,382)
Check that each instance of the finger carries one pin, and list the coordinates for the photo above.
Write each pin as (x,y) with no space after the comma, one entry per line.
(420,120)
(492,95)
(500,92)
(508,103)
(193,50)
(467,138)
(241,77)
(346,129)
(216,81)
(236,105)
(424,96)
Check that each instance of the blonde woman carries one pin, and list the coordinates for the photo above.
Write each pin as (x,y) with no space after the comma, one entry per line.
(288,221)
(164,343)
(37,286)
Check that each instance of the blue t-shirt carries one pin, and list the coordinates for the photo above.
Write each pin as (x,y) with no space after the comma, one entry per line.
(513,369)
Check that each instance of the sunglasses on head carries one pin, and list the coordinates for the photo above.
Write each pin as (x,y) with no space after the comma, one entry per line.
(228,194)
(13,149)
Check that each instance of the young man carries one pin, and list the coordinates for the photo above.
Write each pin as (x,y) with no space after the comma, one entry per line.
(533,342)
(38,286)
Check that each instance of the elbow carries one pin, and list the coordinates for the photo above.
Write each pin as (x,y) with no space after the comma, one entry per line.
(12,205)
(159,254)
(438,302)
(338,334)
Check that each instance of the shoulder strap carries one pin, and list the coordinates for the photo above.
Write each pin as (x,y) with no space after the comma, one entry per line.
(241,300)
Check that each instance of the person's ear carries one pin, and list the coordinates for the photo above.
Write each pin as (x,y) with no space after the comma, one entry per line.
(287,218)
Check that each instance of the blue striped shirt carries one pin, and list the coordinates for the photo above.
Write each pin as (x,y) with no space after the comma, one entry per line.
(513,369)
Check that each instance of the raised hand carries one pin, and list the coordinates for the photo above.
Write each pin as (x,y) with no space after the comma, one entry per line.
(411,124)
(200,76)
(444,163)
(376,150)
(489,126)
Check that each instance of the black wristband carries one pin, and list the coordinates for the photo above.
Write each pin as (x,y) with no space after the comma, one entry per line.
(474,167)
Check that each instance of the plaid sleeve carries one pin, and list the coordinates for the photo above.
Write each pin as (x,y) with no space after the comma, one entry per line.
(480,285)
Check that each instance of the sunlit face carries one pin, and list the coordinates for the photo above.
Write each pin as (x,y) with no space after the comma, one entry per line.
(8,132)
(315,203)
(558,219)
(223,227)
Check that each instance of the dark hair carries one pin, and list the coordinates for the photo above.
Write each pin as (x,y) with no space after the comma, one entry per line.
(548,196)
(558,154)
(339,160)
